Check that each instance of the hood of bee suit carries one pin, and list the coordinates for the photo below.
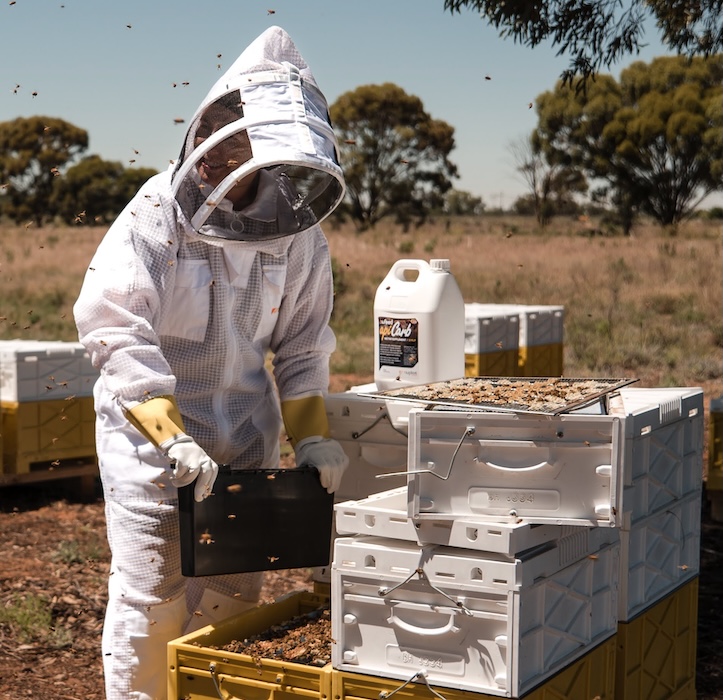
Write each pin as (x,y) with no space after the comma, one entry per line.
(260,160)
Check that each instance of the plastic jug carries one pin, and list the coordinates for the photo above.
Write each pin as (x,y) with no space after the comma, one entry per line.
(419,321)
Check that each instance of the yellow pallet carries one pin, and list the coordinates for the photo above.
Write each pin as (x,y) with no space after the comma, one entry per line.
(714,481)
(591,676)
(540,360)
(657,649)
(502,363)
(199,669)
(46,433)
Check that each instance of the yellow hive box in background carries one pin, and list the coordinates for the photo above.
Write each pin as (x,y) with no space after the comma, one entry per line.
(591,676)
(199,668)
(714,477)
(656,650)
(44,432)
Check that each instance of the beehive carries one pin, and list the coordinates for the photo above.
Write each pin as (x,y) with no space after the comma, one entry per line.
(44,370)
(478,622)
(200,668)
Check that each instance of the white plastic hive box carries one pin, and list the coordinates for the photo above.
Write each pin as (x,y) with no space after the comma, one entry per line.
(373,434)
(385,515)
(538,325)
(491,624)
(488,329)
(664,455)
(43,370)
(570,469)
(659,554)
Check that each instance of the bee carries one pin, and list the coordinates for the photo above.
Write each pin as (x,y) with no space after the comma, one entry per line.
(499,345)
(271,477)
(233,488)
(56,463)
(488,77)
(270,12)
(350,141)
(206,538)
(178,120)
(272,559)
(185,83)
(129,26)
(34,94)
(231,516)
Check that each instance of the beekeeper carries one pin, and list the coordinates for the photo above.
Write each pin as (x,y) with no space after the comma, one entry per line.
(213,265)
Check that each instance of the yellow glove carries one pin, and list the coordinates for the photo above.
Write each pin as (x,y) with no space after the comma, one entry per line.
(158,419)
(305,418)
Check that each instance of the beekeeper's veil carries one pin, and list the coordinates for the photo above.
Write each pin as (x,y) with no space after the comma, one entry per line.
(260,159)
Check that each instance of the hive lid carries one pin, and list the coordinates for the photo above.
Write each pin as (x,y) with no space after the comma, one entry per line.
(545,395)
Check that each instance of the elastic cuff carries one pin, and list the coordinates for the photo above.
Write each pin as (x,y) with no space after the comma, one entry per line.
(167,444)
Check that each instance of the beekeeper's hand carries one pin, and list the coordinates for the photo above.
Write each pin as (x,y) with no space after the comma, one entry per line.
(190,462)
(327,456)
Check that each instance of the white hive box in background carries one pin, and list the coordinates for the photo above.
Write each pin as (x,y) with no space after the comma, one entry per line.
(373,434)
(491,341)
(487,624)
(44,370)
(540,336)
(541,341)
(659,554)
(385,515)
(567,469)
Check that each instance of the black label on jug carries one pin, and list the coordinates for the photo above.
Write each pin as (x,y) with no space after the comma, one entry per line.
(398,342)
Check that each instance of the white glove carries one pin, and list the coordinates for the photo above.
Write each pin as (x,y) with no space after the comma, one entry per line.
(190,462)
(327,456)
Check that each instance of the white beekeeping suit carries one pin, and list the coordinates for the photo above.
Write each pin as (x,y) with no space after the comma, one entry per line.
(213,264)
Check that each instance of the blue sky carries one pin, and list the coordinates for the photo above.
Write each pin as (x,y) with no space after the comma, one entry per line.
(90,68)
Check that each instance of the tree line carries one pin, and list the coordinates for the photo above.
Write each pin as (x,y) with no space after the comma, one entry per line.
(649,143)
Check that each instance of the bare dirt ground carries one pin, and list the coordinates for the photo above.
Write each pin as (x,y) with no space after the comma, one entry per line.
(52,548)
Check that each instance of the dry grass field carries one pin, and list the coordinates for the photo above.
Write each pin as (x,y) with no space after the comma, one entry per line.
(648,306)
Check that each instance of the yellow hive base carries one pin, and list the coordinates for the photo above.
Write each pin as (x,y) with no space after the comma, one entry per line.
(42,434)
(502,363)
(197,662)
(541,360)
(714,480)
(656,650)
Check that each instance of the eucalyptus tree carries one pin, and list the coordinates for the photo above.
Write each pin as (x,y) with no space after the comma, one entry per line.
(34,151)
(653,139)
(394,154)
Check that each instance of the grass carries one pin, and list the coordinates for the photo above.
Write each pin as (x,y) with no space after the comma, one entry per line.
(30,619)
(647,306)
